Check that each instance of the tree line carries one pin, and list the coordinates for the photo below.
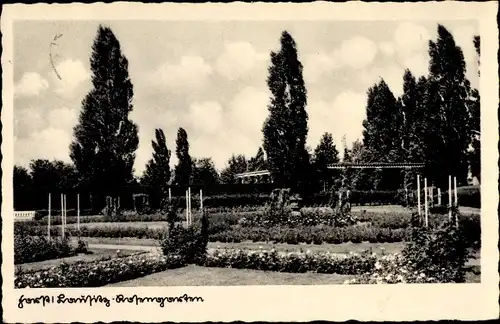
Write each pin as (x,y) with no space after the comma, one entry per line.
(435,121)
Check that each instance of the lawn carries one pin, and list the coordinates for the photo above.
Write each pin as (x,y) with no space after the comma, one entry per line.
(97,254)
(202,276)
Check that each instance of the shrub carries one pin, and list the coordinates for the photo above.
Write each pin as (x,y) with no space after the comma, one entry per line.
(295,262)
(189,244)
(39,248)
(440,253)
(97,273)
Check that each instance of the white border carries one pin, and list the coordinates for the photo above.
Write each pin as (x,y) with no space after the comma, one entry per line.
(275,303)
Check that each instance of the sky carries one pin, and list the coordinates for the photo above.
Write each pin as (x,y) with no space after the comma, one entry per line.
(210,78)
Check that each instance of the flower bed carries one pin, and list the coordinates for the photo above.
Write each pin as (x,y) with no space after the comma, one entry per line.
(39,248)
(392,269)
(98,273)
(227,227)
(295,262)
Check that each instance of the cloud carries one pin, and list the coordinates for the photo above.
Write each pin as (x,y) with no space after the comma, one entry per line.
(463,37)
(30,84)
(387,48)
(392,75)
(27,120)
(73,74)
(342,116)
(358,52)
(192,72)
(418,64)
(248,111)
(239,59)
(206,117)
(410,38)
(49,143)
(320,64)
(63,118)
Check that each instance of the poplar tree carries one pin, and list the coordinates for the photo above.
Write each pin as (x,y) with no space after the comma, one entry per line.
(157,173)
(475,109)
(105,139)
(382,135)
(326,153)
(285,130)
(184,167)
(448,123)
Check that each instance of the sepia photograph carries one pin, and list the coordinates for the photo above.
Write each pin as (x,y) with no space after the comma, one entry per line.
(234,152)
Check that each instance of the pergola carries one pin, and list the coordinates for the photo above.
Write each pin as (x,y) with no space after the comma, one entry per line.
(376,165)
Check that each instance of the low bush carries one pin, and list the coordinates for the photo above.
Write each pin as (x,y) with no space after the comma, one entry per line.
(97,273)
(469,196)
(431,255)
(190,244)
(310,234)
(295,262)
(39,248)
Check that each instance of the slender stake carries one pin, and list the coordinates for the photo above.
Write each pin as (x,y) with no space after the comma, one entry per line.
(456,193)
(418,194)
(65,213)
(201,200)
(169,194)
(190,213)
(439,196)
(449,196)
(49,216)
(456,201)
(62,215)
(187,209)
(426,204)
(78,213)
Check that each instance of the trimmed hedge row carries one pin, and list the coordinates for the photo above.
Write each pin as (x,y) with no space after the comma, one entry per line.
(97,273)
(39,248)
(296,262)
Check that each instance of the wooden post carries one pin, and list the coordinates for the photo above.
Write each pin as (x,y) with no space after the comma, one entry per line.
(65,213)
(456,201)
(439,196)
(201,200)
(62,215)
(431,195)
(455,191)
(169,194)
(190,213)
(187,209)
(49,216)
(78,213)
(449,196)
(426,204)
(418,195)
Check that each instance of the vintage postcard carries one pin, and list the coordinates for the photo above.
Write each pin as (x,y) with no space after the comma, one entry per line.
(253,162)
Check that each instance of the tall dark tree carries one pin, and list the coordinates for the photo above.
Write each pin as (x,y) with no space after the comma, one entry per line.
(52,176)
(448,124)
(236,164)
(184,167)
(105,139)
(23,189)
(382,134)
(204,172)
(258,162)
(475,110)
(157,173)
(285,129)
(326,153)
(414,124)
